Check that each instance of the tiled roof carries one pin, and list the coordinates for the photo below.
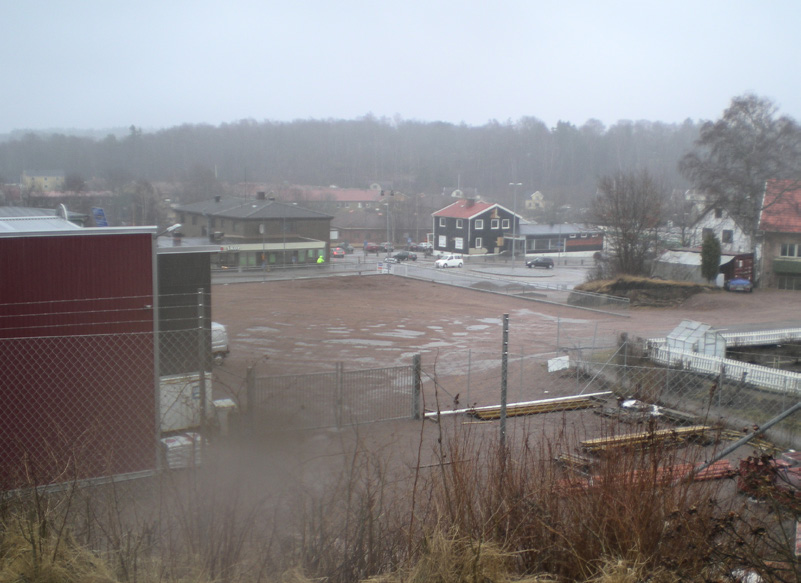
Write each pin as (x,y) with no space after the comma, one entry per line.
(244,208)
(781,207)
(464,209)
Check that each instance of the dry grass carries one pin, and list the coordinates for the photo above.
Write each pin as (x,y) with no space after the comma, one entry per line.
(480,513)
(645,291)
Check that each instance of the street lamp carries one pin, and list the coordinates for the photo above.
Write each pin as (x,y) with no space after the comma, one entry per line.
(514,186)
(389,239)
(170,229)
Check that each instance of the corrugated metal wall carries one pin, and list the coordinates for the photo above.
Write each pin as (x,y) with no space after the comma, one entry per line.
(76,377)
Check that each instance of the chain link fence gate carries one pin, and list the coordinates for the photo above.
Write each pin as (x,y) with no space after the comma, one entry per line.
(334,399)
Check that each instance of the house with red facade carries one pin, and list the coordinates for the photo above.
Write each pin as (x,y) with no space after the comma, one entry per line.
(778,248)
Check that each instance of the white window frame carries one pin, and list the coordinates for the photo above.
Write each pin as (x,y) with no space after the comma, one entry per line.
(442,221)
(479,224)
(479,243)
(494,223)
(505,224)
(458,223)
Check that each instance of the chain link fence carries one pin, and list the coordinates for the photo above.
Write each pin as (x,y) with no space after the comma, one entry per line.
(89,388)
(335,399)
(538,291)
(634,371)
(76,406)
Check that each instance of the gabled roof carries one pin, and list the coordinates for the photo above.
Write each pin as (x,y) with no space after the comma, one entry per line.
(250,209)
(465,209)
(781,207)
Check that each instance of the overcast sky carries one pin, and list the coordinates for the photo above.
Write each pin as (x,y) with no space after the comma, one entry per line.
(97,64)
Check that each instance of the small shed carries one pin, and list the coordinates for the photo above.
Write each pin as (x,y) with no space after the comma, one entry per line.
(692,336)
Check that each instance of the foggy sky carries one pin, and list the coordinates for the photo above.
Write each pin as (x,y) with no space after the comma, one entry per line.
(95,64)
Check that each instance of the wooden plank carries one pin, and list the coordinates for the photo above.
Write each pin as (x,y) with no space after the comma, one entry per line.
(533,409)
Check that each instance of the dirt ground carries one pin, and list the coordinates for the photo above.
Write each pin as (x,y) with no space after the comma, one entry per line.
(309,325)
(373,321)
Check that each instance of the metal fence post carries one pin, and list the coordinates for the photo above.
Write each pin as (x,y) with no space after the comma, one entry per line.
(339,390)
(418,385)
(504,369)
(201,360)
(250,394)
(469,362)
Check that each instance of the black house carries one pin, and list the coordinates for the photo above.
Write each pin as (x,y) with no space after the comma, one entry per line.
(468,226)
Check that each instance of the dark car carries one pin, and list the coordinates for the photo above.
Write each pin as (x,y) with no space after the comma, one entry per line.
(545,262)
(337,252)
(739,284)
(405,256)
(348,248)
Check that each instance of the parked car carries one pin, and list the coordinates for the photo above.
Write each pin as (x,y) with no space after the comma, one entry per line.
(739,284)
(405,255)
(545,262)
(337,252)
(347,247)
(219,342)
(449,261)
(372,247)
(388,247)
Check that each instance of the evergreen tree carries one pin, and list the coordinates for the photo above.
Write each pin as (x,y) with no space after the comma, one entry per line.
(710,257)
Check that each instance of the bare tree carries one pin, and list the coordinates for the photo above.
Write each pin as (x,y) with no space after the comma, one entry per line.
(629,206)
(74,183)
(736,155)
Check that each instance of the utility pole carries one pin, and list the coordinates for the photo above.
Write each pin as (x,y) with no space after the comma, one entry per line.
(514,186)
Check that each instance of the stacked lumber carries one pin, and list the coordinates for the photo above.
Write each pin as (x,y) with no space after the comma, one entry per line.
(575,462)
(646,438)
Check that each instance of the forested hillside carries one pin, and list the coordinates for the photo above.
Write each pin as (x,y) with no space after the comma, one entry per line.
(563,162)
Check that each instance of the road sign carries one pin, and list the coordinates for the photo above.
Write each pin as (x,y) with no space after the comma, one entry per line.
(100,217)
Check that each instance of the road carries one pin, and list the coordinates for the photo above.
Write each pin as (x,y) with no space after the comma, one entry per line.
(567,273)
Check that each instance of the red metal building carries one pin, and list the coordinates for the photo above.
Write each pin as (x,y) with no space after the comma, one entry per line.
(77,376)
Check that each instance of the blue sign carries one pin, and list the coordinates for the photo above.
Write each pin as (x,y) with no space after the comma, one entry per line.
(100,217)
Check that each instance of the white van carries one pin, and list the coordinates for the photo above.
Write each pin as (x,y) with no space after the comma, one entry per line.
(219,342)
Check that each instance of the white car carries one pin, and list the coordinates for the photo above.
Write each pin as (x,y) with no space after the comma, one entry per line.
(449,261)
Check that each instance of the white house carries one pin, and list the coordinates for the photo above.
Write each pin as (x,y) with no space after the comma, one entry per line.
(718,221)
